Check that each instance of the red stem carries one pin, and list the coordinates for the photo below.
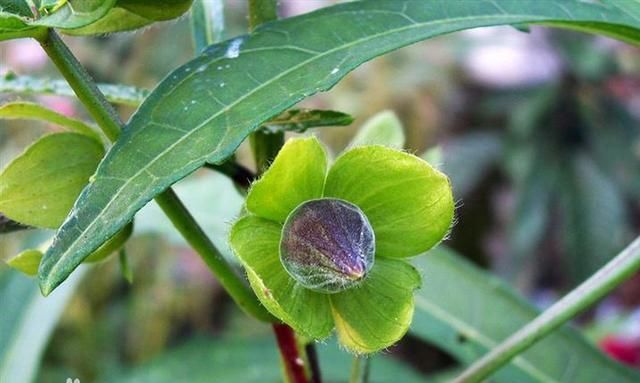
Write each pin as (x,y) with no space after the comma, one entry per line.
(293,362)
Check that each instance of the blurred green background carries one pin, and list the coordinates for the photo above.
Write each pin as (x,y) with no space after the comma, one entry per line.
(539,132)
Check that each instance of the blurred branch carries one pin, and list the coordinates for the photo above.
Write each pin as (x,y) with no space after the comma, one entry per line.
(7,225)
(240,175)
(623,266)
(360,369)
(117,94)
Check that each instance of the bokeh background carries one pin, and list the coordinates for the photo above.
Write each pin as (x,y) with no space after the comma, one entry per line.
(539,131)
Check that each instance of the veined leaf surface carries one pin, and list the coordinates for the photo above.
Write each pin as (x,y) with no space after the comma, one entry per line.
(204,109)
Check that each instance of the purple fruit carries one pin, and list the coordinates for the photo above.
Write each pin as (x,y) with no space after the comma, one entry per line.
(327,245)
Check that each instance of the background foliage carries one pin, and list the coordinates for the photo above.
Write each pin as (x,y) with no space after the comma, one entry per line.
(538,131)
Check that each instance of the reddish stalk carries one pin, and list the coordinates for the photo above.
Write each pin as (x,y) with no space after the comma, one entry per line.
(293,361)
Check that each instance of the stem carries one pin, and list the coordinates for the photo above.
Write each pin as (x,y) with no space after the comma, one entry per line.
(261,11)
(125,268)
(7,225)
(207,23)
(265,147)
(240,175)
(195,236)
(108,120)
(82,84)
(314,365)
(293,362)
(360,369)
(624,265)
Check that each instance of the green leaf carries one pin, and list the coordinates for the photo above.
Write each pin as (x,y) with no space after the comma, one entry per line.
(26,261)
(127,15)
(117,20)
(256,242)
(26,323)
(12,26)
(205,359)
(204,109)
(466,312)
(29,110)
(378,313)
(382,129)
(76,14)
(299,120)
(71,15)
(38,187)
(408,203)
(118,94)
(16,7)
(296,175)
(114,244)
(156,10)
(595,218)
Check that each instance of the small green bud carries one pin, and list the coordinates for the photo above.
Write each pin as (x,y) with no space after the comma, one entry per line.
(327,245)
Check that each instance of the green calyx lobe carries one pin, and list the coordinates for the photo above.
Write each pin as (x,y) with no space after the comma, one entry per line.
(327,245)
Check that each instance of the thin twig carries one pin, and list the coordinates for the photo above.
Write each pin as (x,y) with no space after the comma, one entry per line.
(624,265)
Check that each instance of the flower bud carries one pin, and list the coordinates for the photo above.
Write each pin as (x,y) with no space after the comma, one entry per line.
(327,245)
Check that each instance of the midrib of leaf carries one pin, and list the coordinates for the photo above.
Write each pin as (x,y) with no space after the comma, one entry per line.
(216,154)
(487,342)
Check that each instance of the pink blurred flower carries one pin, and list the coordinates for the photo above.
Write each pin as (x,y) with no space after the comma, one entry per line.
(623,350)
(23,54)
(63,105)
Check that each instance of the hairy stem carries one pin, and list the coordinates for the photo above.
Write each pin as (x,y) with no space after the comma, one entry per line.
(108,120)
(607,278)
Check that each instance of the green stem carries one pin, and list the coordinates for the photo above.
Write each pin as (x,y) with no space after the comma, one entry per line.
(623,266)
(240,175)
(108,120)
(207,23)
(195,236)
(360,369)
(265,147)
(82,84)
(262,11)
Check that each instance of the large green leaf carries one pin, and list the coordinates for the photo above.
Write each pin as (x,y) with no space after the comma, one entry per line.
(26,322)
(208,359)
(204,109)
(467,312)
